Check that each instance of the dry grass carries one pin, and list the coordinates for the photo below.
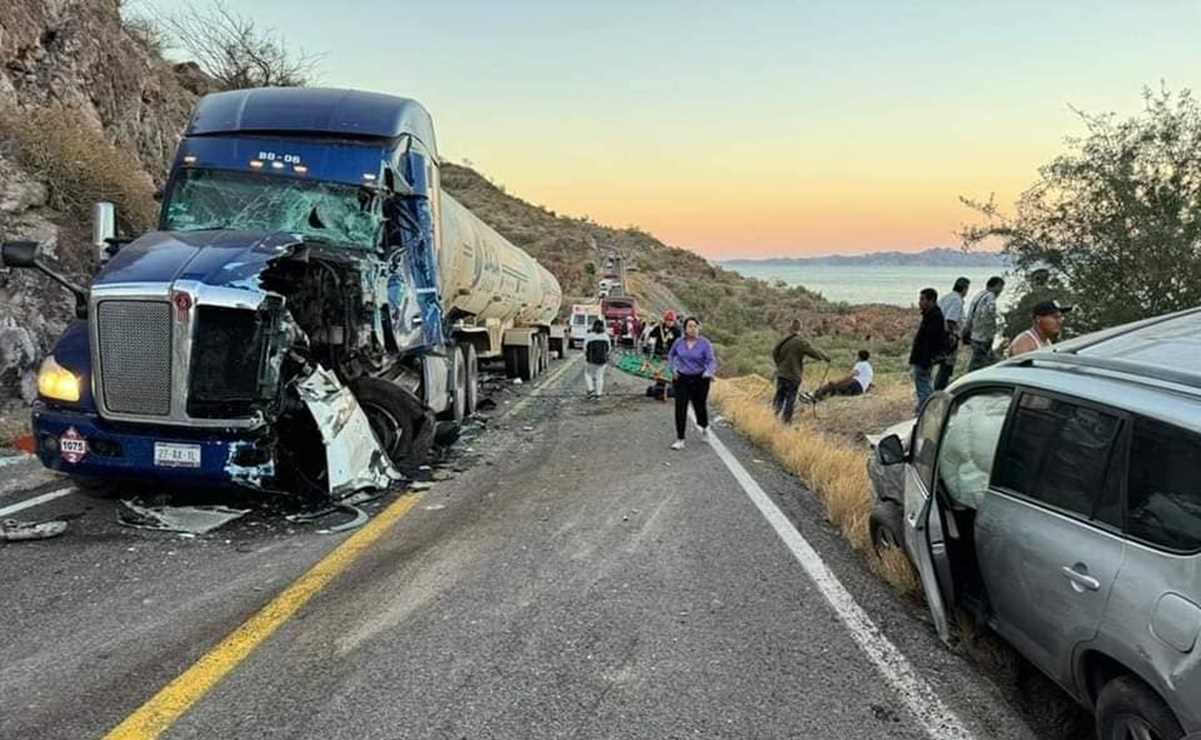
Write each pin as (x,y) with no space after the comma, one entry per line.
(831,464)
(79,164)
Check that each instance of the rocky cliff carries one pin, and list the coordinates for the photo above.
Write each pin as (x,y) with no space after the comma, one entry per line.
(73,71)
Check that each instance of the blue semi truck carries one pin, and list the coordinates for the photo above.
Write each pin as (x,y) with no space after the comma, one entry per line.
(309,304)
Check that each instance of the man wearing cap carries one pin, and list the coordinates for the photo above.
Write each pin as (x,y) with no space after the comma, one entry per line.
(664,335)
(1048,320)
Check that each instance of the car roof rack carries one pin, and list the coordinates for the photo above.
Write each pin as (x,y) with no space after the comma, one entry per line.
(1125,367)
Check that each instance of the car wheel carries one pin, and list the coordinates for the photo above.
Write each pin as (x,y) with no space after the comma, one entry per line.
(886,526)
(1127,709)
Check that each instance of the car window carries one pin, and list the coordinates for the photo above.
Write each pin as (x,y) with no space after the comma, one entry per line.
(965,457)
(925,437)
(1058,453)
(1163,492)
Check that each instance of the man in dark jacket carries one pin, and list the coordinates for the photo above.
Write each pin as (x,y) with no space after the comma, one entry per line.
(927,345)
(789,356)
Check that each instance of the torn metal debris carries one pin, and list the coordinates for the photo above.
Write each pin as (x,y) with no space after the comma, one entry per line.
(12,530)
(354,459)
(186,519)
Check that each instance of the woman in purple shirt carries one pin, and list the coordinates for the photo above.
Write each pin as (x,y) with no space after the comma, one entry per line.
(693,366)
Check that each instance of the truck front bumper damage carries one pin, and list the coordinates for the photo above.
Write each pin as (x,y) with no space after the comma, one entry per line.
(83,444)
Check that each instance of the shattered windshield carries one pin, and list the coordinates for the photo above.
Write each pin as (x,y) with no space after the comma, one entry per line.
(218,199)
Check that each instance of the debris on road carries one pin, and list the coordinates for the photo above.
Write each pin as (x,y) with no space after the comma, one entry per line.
(191,520)
(12,530)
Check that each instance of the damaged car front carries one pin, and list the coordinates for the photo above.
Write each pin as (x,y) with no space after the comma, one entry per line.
(223,349)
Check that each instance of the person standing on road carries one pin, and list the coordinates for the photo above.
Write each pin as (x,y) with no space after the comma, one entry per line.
(980,328)
(693,367)
(596,356)
(665,334)
(789,355)
(927,345)
(1048,320)
(951,306)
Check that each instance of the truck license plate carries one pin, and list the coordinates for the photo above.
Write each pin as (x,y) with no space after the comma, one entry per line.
(176,456)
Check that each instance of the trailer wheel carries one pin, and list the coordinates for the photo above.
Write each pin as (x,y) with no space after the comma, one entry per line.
(459,402)
(545,352)
(473,379)
(400,422)
(527,368)
(511,357)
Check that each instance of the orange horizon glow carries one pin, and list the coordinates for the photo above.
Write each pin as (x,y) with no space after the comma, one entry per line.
(757,128)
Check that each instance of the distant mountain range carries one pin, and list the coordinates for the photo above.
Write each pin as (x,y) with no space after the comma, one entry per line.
(940,257)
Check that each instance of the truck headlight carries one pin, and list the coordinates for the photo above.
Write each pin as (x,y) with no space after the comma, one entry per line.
(57,382)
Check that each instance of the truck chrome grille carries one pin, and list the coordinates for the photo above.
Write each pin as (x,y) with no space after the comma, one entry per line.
(227,359)
(135,356)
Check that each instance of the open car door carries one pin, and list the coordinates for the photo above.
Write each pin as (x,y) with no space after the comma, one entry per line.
(924,536)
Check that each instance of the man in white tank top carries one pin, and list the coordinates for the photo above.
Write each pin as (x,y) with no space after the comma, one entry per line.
(1048,319)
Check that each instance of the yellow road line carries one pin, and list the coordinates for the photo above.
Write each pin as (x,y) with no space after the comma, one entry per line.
(546,384)
(161,711)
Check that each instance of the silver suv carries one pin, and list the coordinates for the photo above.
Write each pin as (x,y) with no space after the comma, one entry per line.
(1058,497)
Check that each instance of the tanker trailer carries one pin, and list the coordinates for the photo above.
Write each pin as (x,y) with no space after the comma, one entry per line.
(502,303)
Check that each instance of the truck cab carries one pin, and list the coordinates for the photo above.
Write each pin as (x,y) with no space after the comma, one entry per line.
(307,268)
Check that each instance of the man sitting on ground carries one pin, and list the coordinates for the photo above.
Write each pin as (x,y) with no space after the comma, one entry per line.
(854,384)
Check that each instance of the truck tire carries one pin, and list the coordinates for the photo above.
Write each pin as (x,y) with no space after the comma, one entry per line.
(886,526)
(527,358)
(512,355)
(402,425)
(473,378)
(458,403)
(1127,707)
(543,353)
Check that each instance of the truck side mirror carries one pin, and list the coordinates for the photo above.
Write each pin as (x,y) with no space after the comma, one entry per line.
(104,229)
(25,255)
(19,254)
(890,450)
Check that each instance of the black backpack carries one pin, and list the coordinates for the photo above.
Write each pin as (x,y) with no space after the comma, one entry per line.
(597,352)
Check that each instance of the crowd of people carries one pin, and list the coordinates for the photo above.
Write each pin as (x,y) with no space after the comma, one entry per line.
(951,322)
(947,325)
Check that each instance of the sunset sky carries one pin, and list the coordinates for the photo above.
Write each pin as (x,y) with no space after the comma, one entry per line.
(754,128)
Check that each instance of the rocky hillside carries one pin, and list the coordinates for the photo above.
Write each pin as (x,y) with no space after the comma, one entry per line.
(742,315)
(88,110)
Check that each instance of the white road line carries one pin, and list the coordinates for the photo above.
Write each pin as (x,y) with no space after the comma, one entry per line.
(14,460)
(935,717)
(35,501)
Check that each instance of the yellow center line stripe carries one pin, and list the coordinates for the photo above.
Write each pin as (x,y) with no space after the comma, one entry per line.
(164,708)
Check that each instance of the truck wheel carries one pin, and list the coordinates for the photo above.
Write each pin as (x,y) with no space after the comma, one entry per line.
(1128,708)
(459,402)
(401,423)
(473,379)
(512,360)
(886,526)
(543,353)
(527,358)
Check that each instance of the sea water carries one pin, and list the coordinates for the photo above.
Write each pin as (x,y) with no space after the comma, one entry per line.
(897,285)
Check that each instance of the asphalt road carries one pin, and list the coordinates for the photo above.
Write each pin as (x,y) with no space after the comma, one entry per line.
(577,580)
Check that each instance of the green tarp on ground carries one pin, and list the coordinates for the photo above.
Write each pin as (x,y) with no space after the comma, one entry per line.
(644,367)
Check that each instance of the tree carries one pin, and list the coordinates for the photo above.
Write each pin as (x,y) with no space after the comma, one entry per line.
(234,51)
(1116,221)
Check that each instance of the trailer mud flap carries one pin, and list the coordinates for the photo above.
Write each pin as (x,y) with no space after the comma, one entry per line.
(354,459)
